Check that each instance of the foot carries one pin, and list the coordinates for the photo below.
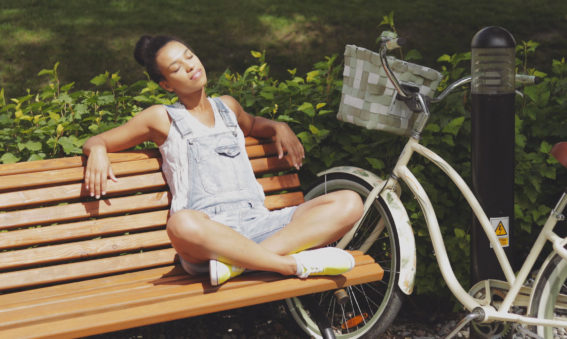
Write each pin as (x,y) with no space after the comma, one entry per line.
(221,272)
(323,261)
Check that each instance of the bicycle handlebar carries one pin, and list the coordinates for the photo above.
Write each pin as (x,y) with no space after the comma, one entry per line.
(389,43)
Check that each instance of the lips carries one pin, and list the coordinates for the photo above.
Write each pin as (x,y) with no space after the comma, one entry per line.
(196,75)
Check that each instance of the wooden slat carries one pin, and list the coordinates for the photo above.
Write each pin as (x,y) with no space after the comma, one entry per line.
(83,249)
(60,176)
(96,286)
(274,202)
(79,270)
(70,162)
(77,190)
(278,183)
(169,301)
(83,229)
(46,215)
(250,141)
(104,293)
(258,151)
(272,164)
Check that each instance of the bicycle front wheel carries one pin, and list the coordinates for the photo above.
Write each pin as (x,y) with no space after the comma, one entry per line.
(550,297)
(370,308)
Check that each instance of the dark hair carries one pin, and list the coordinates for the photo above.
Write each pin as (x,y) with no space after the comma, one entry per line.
(146,50)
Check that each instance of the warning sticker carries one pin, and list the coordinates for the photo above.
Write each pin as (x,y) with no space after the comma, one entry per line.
(500,229)
(501,226)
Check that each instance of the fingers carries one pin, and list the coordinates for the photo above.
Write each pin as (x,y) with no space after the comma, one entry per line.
(295,152)
(96,176)
(280,150)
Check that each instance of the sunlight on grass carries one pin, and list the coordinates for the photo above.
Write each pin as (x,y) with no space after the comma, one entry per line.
(25,36)
(295,29)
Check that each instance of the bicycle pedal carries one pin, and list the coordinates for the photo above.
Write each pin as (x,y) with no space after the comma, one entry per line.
(477,313)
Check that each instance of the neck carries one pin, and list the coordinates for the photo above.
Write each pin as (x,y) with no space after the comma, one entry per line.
(196,101)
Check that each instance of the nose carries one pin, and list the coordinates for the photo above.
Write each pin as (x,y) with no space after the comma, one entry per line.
(188,65)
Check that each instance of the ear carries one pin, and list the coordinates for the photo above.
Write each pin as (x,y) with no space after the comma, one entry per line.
(165,86)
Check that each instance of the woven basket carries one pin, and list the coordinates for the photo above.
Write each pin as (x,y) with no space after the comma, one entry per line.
(369,98)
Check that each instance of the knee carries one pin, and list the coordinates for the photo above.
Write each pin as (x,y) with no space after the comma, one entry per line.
(186,225)
(350,204)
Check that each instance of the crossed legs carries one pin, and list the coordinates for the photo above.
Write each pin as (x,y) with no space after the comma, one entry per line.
(317,222)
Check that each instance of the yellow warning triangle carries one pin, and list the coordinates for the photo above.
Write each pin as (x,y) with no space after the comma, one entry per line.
(501,230)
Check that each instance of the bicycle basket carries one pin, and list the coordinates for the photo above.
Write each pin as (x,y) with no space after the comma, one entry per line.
(368,97)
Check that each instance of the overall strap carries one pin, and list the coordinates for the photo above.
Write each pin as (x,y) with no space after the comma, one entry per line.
(179,119)
(228,119)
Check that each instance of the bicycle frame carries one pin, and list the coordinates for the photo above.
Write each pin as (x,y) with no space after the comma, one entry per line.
(402,172)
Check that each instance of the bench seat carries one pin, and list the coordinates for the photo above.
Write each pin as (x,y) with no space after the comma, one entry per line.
(72,265)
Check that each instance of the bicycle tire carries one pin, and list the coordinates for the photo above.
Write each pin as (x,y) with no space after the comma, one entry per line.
(375,304)
(549,300)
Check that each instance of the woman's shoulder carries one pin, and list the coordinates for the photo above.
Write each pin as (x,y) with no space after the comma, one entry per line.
(231,103)
(156,119)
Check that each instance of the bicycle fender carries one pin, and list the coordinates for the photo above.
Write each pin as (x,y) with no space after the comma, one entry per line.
(406,240)
(371,178)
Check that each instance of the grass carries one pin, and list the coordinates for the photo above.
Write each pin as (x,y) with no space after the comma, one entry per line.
(90,37)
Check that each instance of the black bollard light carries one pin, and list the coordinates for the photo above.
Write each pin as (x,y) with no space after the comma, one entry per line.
(492,125)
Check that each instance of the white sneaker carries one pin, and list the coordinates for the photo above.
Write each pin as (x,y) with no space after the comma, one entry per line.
(323,261)
(221,272)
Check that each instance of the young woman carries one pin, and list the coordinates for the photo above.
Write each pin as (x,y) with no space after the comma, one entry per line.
(218,222)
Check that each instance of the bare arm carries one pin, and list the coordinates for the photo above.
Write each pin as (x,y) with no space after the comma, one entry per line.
(261,127)
(149,125)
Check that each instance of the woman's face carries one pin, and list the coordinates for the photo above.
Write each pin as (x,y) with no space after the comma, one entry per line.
(183,71)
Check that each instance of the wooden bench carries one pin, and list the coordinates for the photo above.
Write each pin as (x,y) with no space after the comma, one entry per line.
(71,265)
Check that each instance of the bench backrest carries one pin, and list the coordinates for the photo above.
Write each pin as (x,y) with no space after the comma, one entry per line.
(52,231)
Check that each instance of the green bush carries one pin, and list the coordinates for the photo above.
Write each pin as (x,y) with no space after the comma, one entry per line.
(56,121)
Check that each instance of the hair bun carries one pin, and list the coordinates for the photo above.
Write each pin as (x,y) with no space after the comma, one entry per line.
(140,51)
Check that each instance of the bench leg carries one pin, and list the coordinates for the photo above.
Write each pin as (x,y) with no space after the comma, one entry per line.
(319,317)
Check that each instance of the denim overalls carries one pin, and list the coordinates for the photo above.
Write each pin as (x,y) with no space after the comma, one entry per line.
(220,177)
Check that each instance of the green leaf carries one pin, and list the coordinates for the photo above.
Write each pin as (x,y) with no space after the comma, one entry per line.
(413,55)
(99,79)
(312,76)
(70,145)
(30,145)
(307,108)
(105,99)
(459,233)
(375,163)
(444,58)
(314,129)
(454,126)
(286,118)
(9,158)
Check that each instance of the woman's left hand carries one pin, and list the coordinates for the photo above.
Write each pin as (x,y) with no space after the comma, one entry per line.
(286,140)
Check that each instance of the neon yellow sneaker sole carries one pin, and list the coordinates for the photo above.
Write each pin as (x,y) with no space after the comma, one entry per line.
(221,272)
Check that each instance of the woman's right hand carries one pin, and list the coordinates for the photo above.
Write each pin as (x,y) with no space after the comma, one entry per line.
(152,124)
(98,171)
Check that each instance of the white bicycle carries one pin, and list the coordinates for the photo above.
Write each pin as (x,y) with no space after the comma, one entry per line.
(384,232)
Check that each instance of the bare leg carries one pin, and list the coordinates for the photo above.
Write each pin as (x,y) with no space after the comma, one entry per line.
(317,222)
(197,238)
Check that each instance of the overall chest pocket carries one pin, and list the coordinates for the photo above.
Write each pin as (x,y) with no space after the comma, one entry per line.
(219,164)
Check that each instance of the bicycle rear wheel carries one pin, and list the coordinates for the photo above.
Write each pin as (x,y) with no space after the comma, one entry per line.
(550,297)
(371,307)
